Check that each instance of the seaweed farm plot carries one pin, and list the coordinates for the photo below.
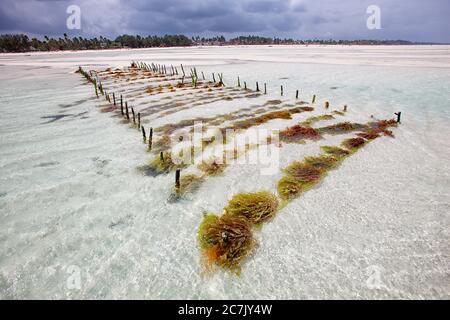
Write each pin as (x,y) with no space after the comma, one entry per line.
(300,176)
(280,196)
(152,100)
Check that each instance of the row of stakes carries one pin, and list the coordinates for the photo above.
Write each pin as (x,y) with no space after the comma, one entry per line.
(174,71)
(125,112)
(162,69)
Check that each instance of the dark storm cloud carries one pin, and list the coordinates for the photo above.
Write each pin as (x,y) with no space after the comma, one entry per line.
(35,17)
(195,18)
(266,6)
(401,19)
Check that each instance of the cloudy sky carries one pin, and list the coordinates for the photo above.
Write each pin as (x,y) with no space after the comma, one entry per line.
(416,20)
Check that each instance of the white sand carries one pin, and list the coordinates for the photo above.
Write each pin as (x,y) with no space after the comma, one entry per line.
(72,200)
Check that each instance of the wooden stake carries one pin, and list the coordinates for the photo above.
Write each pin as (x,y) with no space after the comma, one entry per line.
(265,88)
(214,78)
(257,86)
(203,75)
(139,120)
(314,99)
(398,114)
(296,94)
(282,90)
(245,85)
(150,137)
(126,109)
(114,98)
(134,118)
(327,104)
(143,134)
(100,87)
(161,156)
(239,82)
(177,179)
(345,108)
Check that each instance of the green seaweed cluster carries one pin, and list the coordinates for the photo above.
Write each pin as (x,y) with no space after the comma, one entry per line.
(336,152)
(163,163)
(189,183)
(227,240)
(298,133)
(341,127)
(353,144)
(213,168)
(311,120)
(162,144)
(257,207)
(322,162)
(302,176)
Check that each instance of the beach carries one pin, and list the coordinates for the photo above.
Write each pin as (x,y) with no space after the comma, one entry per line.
(78,220)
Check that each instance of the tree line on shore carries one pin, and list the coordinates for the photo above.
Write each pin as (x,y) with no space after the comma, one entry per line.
(22,43)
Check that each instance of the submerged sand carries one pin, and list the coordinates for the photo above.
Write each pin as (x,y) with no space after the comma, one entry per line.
(73,204)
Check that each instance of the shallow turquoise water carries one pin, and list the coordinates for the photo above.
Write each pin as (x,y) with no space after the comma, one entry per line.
(79,221)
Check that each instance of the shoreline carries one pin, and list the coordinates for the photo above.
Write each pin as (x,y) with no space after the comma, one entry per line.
(417,56)
(228,46)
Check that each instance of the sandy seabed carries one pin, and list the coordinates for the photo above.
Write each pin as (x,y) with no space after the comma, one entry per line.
(77,220)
